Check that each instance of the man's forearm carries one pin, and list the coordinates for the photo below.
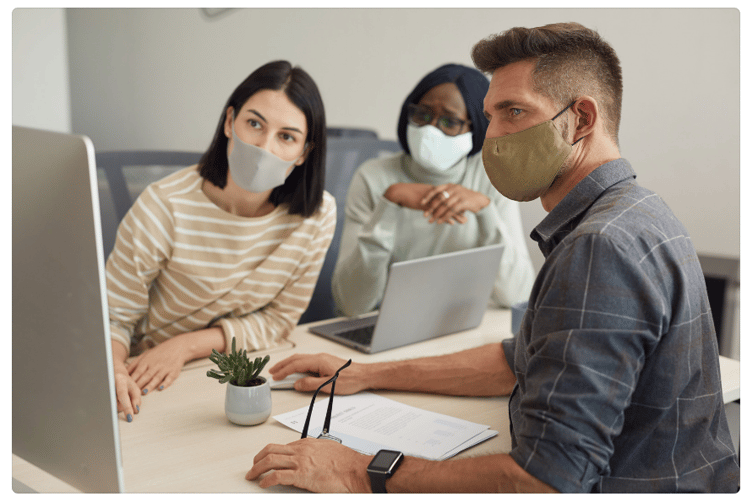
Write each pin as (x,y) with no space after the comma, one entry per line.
(488,474)
(482,371)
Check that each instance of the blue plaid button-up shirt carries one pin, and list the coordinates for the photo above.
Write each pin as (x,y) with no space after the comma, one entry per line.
(618,382)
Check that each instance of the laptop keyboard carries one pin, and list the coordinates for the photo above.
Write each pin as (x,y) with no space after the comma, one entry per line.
(360,335)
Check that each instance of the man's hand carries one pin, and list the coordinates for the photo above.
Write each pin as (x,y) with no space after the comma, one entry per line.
(351,380)
(480,371)
(317,465)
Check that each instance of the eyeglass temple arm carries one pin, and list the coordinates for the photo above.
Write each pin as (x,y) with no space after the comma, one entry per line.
(329,407)
(305,431)
(328,418)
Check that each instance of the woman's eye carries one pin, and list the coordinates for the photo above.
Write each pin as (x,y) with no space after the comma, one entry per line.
(288,138)
(254,123)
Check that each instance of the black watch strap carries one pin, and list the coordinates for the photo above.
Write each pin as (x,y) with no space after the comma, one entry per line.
(378,482)
(383,465)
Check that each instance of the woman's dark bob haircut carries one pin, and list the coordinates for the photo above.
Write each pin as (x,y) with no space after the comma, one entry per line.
(472,85)
(304,188)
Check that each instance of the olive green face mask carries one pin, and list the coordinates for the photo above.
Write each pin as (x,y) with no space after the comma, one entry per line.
(523,165)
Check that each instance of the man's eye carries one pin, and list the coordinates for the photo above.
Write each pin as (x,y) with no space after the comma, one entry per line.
(514,112)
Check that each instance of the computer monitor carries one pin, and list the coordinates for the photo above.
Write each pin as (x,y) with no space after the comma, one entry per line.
(64,404)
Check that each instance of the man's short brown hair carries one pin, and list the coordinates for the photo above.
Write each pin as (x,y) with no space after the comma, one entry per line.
(571,60)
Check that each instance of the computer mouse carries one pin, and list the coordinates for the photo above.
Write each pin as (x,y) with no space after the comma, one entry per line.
(287,382)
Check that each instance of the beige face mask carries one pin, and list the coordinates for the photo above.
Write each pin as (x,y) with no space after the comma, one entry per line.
(523,165)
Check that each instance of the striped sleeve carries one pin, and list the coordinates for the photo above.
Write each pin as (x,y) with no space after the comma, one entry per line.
(142,246)
(267,326)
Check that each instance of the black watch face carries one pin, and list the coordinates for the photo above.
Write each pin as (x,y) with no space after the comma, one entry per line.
(384,459)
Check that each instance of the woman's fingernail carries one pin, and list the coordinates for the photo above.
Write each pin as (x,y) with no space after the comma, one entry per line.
(145,391)
(161,387)
(138,408)
(129,417)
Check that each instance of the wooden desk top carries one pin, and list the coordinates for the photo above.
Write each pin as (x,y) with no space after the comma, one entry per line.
(183,442)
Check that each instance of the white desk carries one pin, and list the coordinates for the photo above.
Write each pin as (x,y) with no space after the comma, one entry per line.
(182,442)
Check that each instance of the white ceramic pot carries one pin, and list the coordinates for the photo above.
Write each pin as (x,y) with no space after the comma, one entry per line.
(248,405)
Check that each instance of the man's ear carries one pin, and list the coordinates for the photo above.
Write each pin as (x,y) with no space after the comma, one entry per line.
(586,109)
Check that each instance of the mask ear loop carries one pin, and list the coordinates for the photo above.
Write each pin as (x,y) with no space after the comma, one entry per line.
(561,113)
(564,109)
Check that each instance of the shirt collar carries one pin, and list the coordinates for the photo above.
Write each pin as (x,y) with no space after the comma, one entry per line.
(557,223)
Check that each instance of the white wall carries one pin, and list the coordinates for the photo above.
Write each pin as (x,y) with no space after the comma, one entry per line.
(157,78)
(41,91)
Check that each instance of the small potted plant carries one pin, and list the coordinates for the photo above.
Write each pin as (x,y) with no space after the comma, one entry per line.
(248,400)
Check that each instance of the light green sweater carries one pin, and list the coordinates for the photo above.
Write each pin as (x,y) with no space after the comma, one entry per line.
(378,232)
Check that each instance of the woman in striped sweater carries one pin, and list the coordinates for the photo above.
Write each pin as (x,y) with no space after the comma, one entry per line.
(230,248)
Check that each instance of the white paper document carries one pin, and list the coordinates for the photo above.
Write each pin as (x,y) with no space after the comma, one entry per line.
(368,423)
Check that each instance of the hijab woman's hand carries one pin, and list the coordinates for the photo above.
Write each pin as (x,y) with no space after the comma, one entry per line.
(448,203)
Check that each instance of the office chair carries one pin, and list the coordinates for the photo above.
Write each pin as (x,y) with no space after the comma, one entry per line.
(344,156)
(351,132)
(721,276)
(123,175)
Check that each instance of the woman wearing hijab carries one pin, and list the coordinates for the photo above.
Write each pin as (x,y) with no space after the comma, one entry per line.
(432,198)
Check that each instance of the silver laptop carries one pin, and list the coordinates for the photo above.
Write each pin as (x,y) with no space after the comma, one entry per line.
(64,406)
(423,299)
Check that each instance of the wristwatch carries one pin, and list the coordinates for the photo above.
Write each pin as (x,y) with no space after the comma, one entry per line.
(382,467)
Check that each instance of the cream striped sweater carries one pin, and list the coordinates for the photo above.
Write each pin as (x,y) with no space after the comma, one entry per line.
(181,264)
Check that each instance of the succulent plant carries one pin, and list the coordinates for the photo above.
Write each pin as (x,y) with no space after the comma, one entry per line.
(237,368)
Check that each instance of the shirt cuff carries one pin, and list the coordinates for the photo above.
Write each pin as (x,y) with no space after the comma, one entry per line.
(565,469)
(509,348)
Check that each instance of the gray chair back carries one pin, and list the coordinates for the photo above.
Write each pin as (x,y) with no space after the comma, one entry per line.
(351,132)
(344,156)
(123,175)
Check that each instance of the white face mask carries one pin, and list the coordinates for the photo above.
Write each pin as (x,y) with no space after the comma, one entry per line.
(255,169)
(435,150)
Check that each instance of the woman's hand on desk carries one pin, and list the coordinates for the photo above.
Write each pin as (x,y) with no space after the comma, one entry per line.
(351,380)
(155,367)
(128,393)
(158,367)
